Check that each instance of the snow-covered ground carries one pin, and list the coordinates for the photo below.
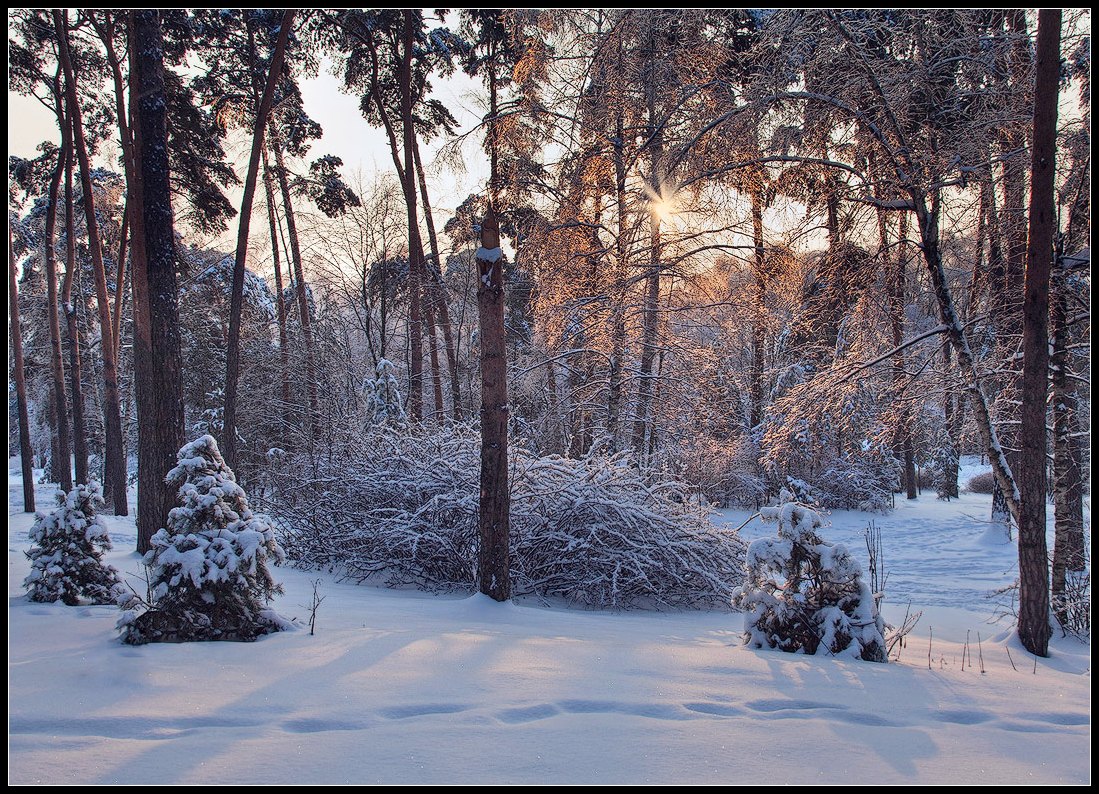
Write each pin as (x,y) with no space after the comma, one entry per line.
(406,688)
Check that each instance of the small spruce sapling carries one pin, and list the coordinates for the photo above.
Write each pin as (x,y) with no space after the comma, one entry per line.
(209,578)
(67,555)
(804,594)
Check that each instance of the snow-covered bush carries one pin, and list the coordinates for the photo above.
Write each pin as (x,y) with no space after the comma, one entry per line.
(597,533)
(858,483)
(208,575)
(725,471)
(400,507)
(804,594)
(67,555)
(984,482)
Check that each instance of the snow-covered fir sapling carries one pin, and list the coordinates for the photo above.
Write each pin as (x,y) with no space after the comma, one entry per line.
(67,555)
(208,574)
(804,594)
(383,396)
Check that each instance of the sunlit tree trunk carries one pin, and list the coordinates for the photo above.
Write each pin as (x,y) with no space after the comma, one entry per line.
(615,390)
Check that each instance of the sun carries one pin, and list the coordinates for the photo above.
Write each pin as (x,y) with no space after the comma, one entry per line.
(662,202)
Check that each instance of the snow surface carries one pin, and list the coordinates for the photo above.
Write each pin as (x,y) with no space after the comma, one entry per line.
(402,687)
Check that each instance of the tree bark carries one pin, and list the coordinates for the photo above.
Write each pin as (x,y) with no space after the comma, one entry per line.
(304,315)
(615,391)
(280,300)
(415,245)
(1068,544)
(493,560)
(72,324)
(61,464)
(650,319)
(114,474)
(1034,629)
(25,452)
(436,291)
(232,357)
(160,414)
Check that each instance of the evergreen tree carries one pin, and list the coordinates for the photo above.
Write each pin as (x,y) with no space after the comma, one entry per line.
(383,396)
(209,578)
(67,555)
(804,594)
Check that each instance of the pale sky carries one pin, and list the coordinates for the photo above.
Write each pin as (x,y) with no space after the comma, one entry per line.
(346,135)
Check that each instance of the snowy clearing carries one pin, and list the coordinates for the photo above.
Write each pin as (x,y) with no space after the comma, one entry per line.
(401,687)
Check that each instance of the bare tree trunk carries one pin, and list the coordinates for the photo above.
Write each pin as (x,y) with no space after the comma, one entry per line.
(759,314)
(300,287)
(280,300)
(436,372)
(437,295)
(160,414)
(896,322)
(72,324)
(615,392)
(105,31)
(1068,545)
(650,319)
(415,245)
(115,466)
(929,244)
(1034,629)
(61,461)
(232,358)
(25,453)
(493,561)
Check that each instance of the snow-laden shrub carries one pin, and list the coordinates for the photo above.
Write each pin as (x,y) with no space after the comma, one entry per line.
(208,575)
(982,483)
(804,594)
(67,555)
(724,471)
(400,507)
(857,483)
(595,532)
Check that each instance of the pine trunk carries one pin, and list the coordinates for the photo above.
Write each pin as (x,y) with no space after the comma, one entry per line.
(236,304)
(415,245)
(114,474)
(61,464)
(25,452)
(1068,544)
(304,315)
(493,561)
(72,324)
(280,300)
(436,292)
(160,413)
(1034,629)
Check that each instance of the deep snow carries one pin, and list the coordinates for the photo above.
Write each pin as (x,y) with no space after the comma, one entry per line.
(402,687)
